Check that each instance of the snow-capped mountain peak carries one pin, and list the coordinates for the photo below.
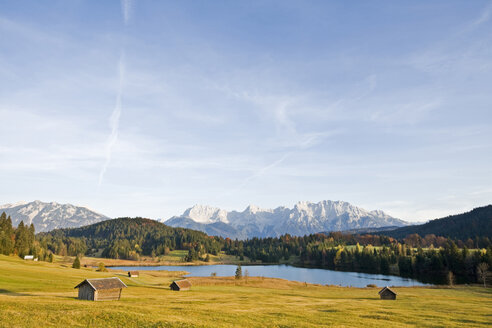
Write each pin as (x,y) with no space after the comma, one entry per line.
(49,216)
(304,218)
(13,204)
(252,208)
(206,214)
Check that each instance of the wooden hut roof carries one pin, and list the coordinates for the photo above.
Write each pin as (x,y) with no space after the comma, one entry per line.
(182,283)
(386,289)
(103,283)
(133,272)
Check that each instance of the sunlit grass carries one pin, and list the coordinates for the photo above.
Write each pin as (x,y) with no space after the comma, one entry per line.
(39,294)
(175,257)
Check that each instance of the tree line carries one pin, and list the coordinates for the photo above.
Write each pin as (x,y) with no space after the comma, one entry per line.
(372,254)
(429,257)
(21,240)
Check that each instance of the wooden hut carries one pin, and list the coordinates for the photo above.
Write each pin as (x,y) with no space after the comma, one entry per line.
(387,294)
(180,285)
(103,289)
(133,274)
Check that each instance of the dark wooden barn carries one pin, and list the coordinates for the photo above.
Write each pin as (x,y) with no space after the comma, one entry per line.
(103,289)
(387,294)
(180,285)
(133,274)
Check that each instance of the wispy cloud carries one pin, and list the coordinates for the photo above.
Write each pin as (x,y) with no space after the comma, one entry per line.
(409,113)
(235,104)
(114,120)
(466,50)
(258,173)
(27,31)
(482,18)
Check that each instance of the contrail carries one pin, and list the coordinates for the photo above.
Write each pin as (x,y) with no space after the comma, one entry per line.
(126,9)
(114,120)
(258,173)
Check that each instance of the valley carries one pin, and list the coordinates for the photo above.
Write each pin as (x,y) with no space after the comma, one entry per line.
(46,290)
(175,164)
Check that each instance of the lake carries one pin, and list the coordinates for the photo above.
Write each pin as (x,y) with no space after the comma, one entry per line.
(309,275)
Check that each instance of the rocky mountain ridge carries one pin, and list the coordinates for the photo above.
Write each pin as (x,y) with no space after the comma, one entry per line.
(304,218)
(49,216)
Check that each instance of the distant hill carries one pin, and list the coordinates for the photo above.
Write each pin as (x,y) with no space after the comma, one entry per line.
(49,216)
(304,219)
(122,237)
(476,223)
(369,230)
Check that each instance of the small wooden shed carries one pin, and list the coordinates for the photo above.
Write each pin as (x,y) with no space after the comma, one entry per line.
(179,285)
(133,274)
(102,289)
(387,294)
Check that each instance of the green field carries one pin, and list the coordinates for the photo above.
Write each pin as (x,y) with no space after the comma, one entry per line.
(175,257)
(39,294)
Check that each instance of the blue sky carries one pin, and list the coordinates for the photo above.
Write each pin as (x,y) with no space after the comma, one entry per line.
(148,107)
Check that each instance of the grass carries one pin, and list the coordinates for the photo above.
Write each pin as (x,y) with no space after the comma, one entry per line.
(39,294)
(175,257)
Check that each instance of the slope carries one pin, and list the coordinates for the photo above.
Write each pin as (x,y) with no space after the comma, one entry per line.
(476,223)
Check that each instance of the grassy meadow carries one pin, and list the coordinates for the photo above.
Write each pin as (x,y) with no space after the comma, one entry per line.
(175,257)
(39,294)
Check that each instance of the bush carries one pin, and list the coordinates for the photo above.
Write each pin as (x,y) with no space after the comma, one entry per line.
(101,267)
(371,286)
(76,263)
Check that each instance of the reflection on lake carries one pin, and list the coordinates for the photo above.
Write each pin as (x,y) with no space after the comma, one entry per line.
(309,275)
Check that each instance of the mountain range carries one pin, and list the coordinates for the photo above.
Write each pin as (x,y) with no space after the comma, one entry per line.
(49,216)
(304,218)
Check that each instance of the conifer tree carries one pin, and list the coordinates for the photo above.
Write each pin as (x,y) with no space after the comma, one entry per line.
(6,232)
(22,240)
(239,272)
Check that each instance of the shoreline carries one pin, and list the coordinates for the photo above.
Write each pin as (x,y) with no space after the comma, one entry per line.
(130,264)
(94,261)
(202,264)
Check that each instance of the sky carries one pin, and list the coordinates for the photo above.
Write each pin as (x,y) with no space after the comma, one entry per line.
(145,108)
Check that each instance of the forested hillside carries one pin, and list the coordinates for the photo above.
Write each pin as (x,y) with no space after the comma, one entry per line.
(428,257)
(128,238)
(473,224)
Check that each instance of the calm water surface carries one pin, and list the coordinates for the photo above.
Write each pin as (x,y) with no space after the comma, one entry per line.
(309,275)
